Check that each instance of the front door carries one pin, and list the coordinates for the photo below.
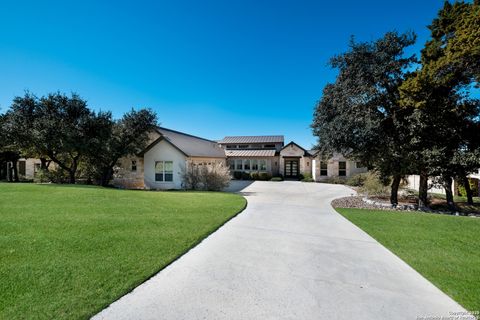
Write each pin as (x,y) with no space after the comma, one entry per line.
(291,168)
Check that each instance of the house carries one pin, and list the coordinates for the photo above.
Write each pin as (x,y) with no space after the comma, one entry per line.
(161,164)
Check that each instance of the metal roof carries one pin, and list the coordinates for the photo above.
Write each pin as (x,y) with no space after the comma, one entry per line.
(250,153)
(192,146)
(252,139)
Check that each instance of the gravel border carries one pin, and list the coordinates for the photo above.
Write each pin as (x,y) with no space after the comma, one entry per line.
(360,202)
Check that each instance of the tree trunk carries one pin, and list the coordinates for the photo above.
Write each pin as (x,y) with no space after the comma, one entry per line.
(394,190)
(106,176)
(422,191)
(44,164)
(9,172)
(71,170)
(447,184)
(3,170)
(14,171)
(468,190)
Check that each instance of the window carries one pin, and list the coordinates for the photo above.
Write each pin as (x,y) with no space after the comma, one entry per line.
(36,167)
(22,167)
(342,168)
(134,165)
(359,165)
(238,164)
(269,146)
(308,163)
(231,146)
(243,146)
(231,164)
(246,164)
(255,164)
(323,168)
(164,171)
(262,164)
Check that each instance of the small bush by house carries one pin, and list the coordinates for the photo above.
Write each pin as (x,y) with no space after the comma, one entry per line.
(307,177)
(214,177)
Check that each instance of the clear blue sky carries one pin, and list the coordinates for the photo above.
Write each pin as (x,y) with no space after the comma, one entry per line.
(210,68)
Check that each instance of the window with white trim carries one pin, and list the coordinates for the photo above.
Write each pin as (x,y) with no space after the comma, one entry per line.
(164,171)
(246,164)
(231,164)
(238,164)
(255,164)
(262,164)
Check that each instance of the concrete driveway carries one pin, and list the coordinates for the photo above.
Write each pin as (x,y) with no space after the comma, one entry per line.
(289,255)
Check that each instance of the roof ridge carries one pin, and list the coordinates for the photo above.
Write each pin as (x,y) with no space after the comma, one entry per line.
(265,135)
(185,134)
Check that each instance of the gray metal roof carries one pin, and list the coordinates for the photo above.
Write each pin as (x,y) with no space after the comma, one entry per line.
(252,139)
(250,153)
(192,146)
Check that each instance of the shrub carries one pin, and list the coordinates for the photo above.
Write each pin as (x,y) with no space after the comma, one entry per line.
(214,177)
(473,186)
(265,176)
(55,176)
(276,179)
(237,175)
(374,185)
(41,177)
(357,180)
(254,175)
(306,177)
(246,176)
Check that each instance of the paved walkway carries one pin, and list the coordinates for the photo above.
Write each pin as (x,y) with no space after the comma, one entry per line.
(289,255)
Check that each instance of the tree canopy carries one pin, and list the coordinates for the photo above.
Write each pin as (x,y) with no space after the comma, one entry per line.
(64,130)
(403,116)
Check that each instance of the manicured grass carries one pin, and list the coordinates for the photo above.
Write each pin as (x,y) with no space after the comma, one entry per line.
(66,252)
(444,249)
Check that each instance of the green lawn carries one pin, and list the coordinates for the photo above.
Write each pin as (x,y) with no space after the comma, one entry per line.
(66,252)
(444,249)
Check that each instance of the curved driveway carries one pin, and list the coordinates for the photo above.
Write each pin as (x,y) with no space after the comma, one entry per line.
(289,255)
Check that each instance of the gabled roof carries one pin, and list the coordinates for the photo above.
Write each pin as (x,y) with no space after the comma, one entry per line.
(189,145)
(252,139)
(299,146)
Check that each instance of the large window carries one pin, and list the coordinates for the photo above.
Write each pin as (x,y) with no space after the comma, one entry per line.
(231,164)
(246,164)
(262,165)
(254,164)
(323,168)
(164,171)
(238,164)
(342,168)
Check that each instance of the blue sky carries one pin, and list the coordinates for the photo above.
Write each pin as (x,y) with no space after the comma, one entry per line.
(209,68)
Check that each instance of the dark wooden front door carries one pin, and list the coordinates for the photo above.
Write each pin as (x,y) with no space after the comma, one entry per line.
(291,169)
